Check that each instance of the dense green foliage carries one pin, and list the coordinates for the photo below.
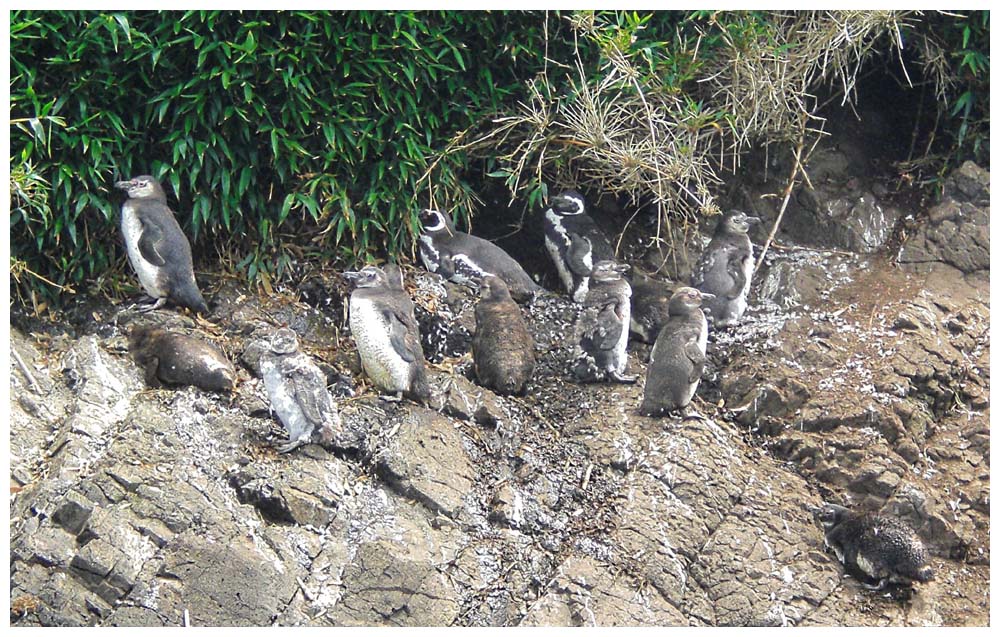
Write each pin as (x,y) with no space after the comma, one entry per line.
(328,130)
(258,123)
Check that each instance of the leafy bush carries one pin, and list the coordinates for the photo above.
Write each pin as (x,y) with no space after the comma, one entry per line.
(262,125)
(328,130)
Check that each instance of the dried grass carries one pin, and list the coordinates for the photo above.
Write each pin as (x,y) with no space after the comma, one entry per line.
(627,132)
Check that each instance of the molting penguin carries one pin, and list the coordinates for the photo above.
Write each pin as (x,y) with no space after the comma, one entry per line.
(463,258)
(168,358)
(678,357)
(387,337)
(296,389)
(725,267)
(876,549)
(157,248)
(602,328)
(575,242)
(502,349)
(650,306)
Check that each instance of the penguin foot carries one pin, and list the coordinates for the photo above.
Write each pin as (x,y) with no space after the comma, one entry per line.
(289,445)
(155,306)
(876,587)
(622,378)
(392,398)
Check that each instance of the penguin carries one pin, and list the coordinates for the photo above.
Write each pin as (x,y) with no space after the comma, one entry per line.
(725,267)
(650,307)
(393,276)
(503,350)
(463,258)
(387,337)
(876,549)
(575,242)
(157,248)
(602,327)
(296,390)
(678,356)
(168,358)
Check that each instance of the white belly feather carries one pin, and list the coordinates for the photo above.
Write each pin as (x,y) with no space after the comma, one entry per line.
(149,274)
(382,364)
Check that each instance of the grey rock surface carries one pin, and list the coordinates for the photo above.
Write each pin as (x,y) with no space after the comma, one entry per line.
(851,380)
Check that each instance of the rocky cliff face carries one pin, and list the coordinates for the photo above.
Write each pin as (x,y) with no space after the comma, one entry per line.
(852,380)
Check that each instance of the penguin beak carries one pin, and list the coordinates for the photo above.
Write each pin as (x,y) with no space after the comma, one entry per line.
(622,267)
(753,219)
(706,295)
(123,185)
(351,275)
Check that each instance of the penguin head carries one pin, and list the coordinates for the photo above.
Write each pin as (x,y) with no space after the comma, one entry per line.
(568,203)
(737,222)
(685,300)
(284,341)
(924,574)
(142,187)
(608,270)
(493,288)
(830,515)
(141,336)
(435,221)
(369,276)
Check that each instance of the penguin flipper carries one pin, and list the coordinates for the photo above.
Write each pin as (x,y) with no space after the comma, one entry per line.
(697,358)
(604,336)
(151,245)
(311,396)
(576,255)
(734,266)
(400,336)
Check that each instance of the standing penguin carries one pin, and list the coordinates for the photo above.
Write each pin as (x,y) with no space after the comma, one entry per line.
(602,328)
(725,267)
(387,337)
(463,258)
(575,242)
(876,549)
(502,349)
(157,248)
(296,389)
(678,356)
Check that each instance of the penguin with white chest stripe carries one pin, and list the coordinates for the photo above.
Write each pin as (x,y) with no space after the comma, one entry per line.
(876,549)
(387,337)
(463,258)
(725,268)
(602,327)
(575,242)
(678,357)
(157,248)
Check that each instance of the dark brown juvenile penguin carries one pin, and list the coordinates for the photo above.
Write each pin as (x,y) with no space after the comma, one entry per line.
(169,358)
(502,349)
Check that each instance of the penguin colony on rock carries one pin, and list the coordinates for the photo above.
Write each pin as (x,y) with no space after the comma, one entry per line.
(877,550)
(387,336)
